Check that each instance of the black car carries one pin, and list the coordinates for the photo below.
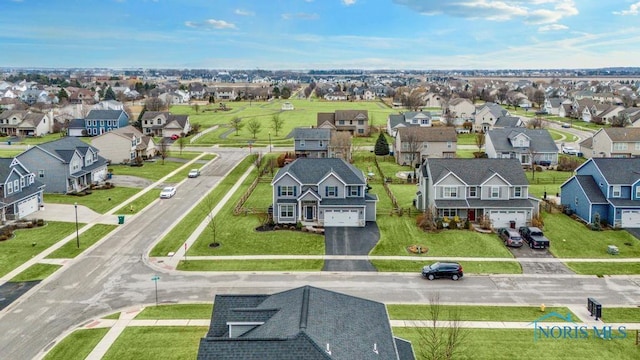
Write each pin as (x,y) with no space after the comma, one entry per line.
(442,269)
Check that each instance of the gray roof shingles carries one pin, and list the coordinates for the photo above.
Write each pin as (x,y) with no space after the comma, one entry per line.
(477,171)
(619,171)
(311,171)
(540,140)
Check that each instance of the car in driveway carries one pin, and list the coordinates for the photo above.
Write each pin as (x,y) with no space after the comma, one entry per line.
(569,150)
(510,237)
(194,173)
(167,192)
(438,270)
(175,137)
(534,237)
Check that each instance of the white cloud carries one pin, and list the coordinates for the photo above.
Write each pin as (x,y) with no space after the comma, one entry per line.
(348,2)
(552,27)
(531,11)
(216,24)
(634,9)
(242,12)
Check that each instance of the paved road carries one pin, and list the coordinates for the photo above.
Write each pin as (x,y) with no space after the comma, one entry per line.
(116,275)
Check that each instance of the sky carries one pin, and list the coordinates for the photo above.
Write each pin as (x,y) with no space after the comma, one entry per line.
(320,34)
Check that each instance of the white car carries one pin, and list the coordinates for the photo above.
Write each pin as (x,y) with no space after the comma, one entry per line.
(194,173)
(569,150)
(167,192)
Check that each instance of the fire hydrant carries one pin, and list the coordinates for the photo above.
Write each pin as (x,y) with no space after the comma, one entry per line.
(542,307)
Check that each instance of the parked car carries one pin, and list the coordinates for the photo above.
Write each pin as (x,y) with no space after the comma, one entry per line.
(542,112)
(194,173)
(175,137)
(565,125)
(534,237)
(442,269)
(167,192)
(569,150)
(510,237)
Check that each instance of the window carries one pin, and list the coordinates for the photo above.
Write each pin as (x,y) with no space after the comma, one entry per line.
(360,131)
(616,191)
(619,146)
(425,121)
(301,143)
(450,192)
(354,191)
(23,182)
(9,187)
(425,145)
(341,122)
(360,122)
(638,146)
(517,191)
(449,144)
(449,212)
(331,191)
(495,192)
(101,122)
(638,192)
(287,191)
(41,173)
(16,185)
(286,211)
(473,191)
(158,122)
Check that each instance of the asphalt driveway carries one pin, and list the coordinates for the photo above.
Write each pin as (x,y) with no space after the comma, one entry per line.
(350,241)
(538,267)
(635,232)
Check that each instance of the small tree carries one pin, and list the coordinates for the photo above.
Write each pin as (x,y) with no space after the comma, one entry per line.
(276,123)
(163,150)
(109,94)
(182,142)
(382,146)
(236,124)
(254,126)
(438,342)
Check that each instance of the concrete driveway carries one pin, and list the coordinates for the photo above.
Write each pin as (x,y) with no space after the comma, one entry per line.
(66,213)
(350,241)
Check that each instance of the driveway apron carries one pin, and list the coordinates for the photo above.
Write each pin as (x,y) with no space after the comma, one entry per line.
(350,241)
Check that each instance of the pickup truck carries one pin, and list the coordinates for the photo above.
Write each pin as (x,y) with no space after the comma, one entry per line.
(534,237)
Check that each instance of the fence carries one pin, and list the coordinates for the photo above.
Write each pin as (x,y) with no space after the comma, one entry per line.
(239,208)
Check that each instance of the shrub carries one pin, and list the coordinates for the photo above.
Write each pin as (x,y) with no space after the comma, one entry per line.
(439,224)
(453,224)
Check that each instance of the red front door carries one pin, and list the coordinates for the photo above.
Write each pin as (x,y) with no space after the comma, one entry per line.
(471,215)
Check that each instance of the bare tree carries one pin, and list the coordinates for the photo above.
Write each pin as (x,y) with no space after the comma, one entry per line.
(163,149)
(413,101)
(182,142)
(236,124)
(449,118)
(410,143)
(536,123)
(208,206)
(254,126)
(621,120)
(538,97)
(154,104)
(276,123)
(480,140)
(440,342)
(340,145)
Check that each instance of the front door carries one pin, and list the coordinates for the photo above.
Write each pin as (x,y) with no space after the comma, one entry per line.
(309,213)
(471,215)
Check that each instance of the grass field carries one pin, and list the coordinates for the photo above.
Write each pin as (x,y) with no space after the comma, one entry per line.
(547,180)
(176,311)
(251,265)
(86,239)
(600,269)
(77,345)
(99,201)
(36,272)
(473,312)
(470,267)
(166,343)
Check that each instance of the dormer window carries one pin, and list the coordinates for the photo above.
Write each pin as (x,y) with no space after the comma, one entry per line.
(237,329)
(617,192)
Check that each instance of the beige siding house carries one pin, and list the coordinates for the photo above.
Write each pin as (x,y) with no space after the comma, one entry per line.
(612,142)
(123,145)
(414,144)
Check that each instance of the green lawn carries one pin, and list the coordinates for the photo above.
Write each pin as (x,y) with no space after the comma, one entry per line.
(176,311)
(28,243)
(77,345)
(546,180)
(603,268)
(166,343)
(474,312)
(261,197)
(398,233)
(251,265)
(150,170)
(558,134)
(572,239)
(467,139)
(87,239)
(6,153)
(465,154)
(36,272)
(470,267)
(492,344)
(621,315)
(99,201)
(405,194)
(140,203)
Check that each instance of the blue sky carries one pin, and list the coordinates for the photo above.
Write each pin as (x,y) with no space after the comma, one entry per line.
(320,34)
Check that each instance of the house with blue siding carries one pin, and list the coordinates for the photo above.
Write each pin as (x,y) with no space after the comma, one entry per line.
(20,192)
(311,142)
(99,122)
(605,187)
(324,192)
(67,165)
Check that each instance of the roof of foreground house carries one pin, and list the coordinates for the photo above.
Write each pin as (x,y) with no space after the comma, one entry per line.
(312,170)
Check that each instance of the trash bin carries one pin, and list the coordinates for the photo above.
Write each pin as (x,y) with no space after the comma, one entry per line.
(8,142)
(120,219)
(109,175)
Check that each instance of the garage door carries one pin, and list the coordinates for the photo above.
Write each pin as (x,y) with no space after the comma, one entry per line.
(503,218)
(27,207)
(631,218)
(347,217)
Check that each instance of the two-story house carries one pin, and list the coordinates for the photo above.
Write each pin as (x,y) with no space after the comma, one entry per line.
(24,123)
(99,122)
(311,142)
(608,187)
(123,145)
(461,108)
(414,144)
(66,165)
(408,119)
(324,192)
(164,124)
(356,122)
(472,188)
(485,116)
(527,145)
(612,142)
(20,192)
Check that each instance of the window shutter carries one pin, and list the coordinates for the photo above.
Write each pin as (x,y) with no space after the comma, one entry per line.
(295,191)
(326,191)
(278,190)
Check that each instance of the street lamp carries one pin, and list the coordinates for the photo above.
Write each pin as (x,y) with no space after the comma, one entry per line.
(75,205)
(269,141)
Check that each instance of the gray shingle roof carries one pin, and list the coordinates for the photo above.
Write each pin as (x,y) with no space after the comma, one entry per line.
(300,324)
(619,171)
(507,121)
(311,171)
(104,114)
(310,134)
(66,147)
(477,171)
(540,140)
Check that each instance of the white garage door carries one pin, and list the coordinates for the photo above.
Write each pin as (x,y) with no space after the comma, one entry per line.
(27,207)
(348,217)
(631,218)
(503,218)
